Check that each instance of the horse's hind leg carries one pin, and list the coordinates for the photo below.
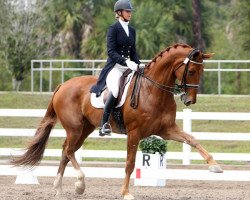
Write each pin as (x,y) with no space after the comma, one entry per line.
(74,141)
(58,181)
(181,136)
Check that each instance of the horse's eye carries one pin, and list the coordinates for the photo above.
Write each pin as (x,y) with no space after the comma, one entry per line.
(191,73)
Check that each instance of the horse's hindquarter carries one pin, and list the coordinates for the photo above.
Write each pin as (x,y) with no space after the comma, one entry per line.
(72,98)
(75,89)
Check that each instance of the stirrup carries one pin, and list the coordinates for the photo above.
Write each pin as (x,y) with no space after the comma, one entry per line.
(105,130)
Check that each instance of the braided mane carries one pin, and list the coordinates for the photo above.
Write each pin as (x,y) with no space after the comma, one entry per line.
(166,50)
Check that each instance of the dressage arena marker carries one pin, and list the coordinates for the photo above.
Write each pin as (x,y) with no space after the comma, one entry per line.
(26,176)
(103,172)
(146,163)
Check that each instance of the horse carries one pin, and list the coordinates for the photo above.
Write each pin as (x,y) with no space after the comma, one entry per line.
(154,114)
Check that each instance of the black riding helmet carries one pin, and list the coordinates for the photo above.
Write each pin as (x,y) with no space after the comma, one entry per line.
(123,5)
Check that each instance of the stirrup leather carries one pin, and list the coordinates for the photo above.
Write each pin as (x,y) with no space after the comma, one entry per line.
(105,129)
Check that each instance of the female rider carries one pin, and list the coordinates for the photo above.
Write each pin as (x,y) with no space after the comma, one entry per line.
(121,56)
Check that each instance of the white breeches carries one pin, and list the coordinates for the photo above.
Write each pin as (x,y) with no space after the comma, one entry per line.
(113,78)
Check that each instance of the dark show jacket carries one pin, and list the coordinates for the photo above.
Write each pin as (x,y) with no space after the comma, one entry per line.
(120,47)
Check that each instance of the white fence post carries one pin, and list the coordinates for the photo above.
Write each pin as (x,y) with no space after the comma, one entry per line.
(187,124)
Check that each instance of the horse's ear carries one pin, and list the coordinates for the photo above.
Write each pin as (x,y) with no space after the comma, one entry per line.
(207,55)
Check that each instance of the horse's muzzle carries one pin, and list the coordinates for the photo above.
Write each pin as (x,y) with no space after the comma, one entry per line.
(186,99)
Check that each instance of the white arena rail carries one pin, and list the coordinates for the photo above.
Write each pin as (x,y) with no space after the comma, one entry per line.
(178,174)
(186,155)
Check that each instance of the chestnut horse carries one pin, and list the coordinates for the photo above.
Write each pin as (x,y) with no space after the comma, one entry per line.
(155,113)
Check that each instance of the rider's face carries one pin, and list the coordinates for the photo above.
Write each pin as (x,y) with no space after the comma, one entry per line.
(127,14)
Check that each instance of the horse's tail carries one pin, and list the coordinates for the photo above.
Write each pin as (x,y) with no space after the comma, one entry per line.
(35,149)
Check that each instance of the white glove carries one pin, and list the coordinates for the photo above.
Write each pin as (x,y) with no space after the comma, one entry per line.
(142,66)
(131,65)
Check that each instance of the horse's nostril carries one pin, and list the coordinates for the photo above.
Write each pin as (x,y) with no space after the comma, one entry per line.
(188,103)
(183,97)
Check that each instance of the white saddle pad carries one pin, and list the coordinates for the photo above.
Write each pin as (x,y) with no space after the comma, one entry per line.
(98,102)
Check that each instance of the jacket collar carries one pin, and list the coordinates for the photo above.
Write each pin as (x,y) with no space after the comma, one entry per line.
(122,31)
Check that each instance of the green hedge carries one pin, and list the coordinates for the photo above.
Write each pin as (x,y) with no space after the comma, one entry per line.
(152,145)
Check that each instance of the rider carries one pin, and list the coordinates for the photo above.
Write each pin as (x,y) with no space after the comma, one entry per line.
(121,56)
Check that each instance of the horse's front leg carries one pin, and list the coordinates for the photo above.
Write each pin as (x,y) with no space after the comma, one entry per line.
(181,136)
(132,145)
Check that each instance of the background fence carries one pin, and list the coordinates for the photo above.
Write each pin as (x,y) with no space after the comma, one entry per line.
(92,67)
(106,172)
(186,155)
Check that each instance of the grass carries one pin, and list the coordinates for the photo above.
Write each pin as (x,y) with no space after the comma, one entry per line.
(24,100)
(205,104)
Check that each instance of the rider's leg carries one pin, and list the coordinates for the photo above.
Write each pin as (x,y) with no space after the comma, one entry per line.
(112,82)
(108,108)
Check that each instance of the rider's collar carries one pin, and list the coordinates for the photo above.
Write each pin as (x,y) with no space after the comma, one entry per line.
(123,23)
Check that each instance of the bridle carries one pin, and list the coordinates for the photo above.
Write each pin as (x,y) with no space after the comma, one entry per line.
(174,90)
(184,85)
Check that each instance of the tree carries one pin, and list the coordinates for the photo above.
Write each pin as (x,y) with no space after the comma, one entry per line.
(197,33)
(153,31)
(94,46)
(181,12)
(77,29)
(240,29)
(197,29)
(69,22)
(241,25)
(23,42)
(5,74)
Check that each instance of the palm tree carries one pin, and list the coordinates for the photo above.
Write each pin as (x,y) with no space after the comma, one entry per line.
(94,46)
(197,34)
(68,20)
(152,29)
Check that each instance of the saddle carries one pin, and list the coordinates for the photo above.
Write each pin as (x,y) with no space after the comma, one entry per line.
(123,83)
(125,80)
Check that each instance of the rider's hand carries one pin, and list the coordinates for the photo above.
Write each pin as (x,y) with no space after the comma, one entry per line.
(141,66)
(132,65)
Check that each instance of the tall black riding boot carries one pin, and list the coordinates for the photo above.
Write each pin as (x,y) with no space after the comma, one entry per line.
(109,105)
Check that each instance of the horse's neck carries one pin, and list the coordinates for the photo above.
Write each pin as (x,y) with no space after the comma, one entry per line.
(162,72)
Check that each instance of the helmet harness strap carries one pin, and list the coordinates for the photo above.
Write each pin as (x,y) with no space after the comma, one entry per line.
(119,12)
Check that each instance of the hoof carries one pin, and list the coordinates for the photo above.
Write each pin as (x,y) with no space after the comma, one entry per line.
(58,185)
(58,192)
(128,197)
(79,187)
(215,169)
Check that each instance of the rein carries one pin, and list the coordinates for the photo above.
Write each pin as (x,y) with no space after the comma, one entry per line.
(173,90)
